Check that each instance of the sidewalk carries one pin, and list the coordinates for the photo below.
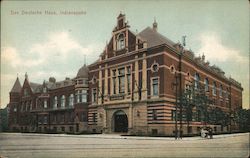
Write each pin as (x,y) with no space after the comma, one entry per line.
(118,136)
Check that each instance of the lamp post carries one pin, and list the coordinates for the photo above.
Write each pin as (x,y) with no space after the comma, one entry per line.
(176,103)
(180,78)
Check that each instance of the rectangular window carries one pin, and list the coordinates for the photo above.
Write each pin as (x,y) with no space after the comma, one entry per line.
(121,78)
(71,100)
(45,105)
(84,96)
(114,81)
(154,114)
(94,95)
(78,96)
(214,89)
(155,86)
(221,91)
(129,79)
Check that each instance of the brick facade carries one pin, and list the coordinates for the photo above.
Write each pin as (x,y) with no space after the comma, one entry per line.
(132,88)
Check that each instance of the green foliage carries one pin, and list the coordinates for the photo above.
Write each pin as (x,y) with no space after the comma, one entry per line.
(4,119)
(242,117)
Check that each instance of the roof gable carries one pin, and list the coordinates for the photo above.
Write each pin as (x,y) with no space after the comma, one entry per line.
(16,87)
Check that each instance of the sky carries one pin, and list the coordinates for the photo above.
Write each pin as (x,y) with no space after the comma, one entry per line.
(45,45)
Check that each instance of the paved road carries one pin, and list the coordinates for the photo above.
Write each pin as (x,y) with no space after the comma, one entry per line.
(59,145)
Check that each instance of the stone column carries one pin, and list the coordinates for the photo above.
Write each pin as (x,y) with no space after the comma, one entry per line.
(144,77)
(136,81)
(99,90)
(106,81)
(130,118)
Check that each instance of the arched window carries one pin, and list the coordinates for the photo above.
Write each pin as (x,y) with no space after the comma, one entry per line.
(196,80)
(206,82)
(71,100)
(120,42)
(214,88)
(55,102)
(45,105)
(63,101)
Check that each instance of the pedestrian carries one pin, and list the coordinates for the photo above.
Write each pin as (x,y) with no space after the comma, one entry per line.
(210,133)
(178,134)
(202,133)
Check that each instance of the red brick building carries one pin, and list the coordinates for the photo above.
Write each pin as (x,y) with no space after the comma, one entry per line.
(137,87)
(51,106)
(133,85)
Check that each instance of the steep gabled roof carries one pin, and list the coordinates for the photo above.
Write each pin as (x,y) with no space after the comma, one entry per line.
(16,87)
(35,87)
(153,38)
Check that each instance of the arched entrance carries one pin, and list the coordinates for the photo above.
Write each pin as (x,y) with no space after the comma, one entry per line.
(120,121)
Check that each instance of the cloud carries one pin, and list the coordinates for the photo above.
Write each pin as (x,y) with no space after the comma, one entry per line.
(58,55)
(59,45)
(212,47)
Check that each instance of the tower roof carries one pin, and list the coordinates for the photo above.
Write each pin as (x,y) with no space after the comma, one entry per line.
(16,87)
(154,38)
(83,72)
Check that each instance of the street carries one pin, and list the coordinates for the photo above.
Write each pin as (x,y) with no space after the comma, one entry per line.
(29,145)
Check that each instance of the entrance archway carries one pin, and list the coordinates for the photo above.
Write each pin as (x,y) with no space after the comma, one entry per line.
(120,121)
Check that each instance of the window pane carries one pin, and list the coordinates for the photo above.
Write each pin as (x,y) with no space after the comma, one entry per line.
(155,87)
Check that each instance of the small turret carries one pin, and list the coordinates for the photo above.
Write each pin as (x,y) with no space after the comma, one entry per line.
(155,25)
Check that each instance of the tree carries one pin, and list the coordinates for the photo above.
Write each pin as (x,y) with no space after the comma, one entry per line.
(242,117)
(4,119)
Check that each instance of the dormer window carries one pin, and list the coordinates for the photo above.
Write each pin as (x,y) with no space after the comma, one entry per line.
(120,42)
(44,89)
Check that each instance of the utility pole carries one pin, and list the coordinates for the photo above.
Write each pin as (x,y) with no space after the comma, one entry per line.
(176,104)
(180,83)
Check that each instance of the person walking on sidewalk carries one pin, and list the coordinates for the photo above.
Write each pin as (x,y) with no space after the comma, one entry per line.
(210,133)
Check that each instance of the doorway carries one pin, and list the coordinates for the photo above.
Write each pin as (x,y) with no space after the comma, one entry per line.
(120,120)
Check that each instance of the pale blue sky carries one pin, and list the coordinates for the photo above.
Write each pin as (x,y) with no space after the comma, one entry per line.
(54,45)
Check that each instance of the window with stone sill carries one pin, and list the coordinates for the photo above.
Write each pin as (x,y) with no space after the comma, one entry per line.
(114,81)
(55,102)
(45,105)
(94,95)
(206,82)
(129,79)
(71,100)
(63,101)
(221,89)
(214,89)
(121,79)
(155,86)
(196,81)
